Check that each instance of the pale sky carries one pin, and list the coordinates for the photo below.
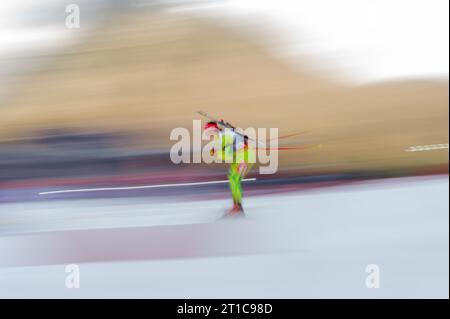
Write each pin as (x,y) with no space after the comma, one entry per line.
(358,40)
(362,40)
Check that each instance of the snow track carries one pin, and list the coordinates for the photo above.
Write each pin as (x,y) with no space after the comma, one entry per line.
(300,245)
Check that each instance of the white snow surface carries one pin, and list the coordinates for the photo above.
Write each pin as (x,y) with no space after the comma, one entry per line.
(308,244)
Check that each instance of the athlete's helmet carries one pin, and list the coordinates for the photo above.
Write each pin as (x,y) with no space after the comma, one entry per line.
(211,126)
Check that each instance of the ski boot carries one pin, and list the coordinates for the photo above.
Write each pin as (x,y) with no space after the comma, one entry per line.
(236,211)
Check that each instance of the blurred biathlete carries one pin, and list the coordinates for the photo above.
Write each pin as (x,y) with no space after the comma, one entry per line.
(232,148)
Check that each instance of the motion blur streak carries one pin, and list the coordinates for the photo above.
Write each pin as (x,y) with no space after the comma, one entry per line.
(138,187)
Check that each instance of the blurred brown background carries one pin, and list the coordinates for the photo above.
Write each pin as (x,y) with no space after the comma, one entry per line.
(145,73)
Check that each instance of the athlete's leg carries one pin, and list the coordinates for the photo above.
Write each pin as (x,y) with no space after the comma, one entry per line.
(235,183)
(237,173)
